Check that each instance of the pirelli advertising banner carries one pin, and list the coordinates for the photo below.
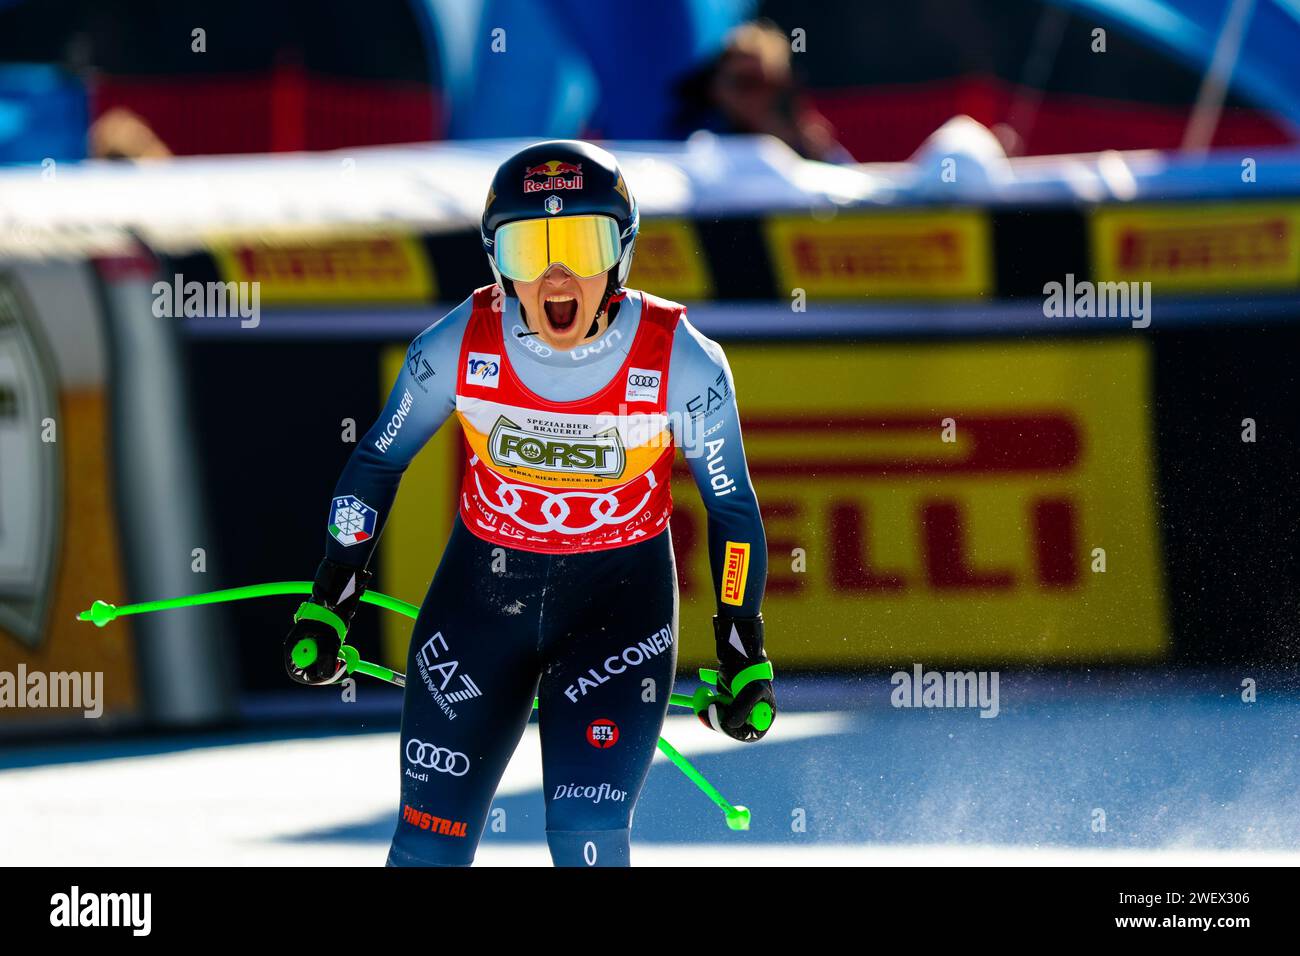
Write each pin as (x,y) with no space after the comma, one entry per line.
(1198,248)
(977,501)
(980,501)
(933,253)
(671,260)
(917,253)
(328,270)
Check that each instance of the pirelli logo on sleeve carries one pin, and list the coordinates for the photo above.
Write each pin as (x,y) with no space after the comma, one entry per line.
(735,571)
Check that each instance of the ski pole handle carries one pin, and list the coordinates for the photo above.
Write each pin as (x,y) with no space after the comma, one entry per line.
(355,665)
(760,716)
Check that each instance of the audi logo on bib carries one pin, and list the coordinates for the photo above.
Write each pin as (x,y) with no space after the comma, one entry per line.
(642,385)
(437,759)
(569,519)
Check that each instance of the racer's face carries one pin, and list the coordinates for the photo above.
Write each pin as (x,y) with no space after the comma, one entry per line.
(560,306)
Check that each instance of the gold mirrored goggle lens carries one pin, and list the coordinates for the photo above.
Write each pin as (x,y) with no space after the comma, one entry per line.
(585,245)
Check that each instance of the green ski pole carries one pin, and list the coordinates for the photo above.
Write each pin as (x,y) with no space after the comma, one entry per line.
(101,613)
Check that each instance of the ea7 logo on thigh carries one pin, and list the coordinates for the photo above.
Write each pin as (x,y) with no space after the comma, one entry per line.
(437,668)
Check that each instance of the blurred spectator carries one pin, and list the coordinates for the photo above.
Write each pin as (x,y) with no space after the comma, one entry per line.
(750,88)
(121,134)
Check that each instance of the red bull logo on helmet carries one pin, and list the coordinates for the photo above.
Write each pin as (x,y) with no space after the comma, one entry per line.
(552,175)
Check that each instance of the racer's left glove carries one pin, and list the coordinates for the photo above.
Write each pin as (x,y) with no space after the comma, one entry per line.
(311,648)
(745,704)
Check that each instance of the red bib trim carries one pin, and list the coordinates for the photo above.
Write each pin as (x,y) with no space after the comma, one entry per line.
(560,477)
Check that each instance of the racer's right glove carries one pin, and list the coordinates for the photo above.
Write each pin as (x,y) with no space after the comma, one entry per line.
(745,704)
(320,626)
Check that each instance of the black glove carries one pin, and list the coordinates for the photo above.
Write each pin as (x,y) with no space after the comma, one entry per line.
(311,648)
(746,704)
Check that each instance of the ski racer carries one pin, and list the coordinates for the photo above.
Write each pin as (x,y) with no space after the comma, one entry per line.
(558,580)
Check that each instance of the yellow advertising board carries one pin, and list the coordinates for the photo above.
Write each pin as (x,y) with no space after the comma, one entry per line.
(1202,247)
(1030,536)
(670,260)
(918,253)
(325,271)
(888,544)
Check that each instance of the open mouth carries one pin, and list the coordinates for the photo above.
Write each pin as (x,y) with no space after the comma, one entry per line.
(561,311)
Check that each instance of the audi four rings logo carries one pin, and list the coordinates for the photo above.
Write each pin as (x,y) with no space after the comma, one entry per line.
(438,759)
(643,385)
(555,507)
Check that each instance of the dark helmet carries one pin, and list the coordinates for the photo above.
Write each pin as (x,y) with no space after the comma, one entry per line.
(561,177)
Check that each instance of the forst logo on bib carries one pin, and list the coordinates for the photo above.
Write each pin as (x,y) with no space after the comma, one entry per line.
(482,369)
(512,446)
(602,734)
(352,521)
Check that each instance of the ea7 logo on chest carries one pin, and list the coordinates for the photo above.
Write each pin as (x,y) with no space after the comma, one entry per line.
(74,909)
(483,369)
(601,454)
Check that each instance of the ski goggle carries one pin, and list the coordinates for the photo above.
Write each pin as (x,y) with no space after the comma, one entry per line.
(585,245)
